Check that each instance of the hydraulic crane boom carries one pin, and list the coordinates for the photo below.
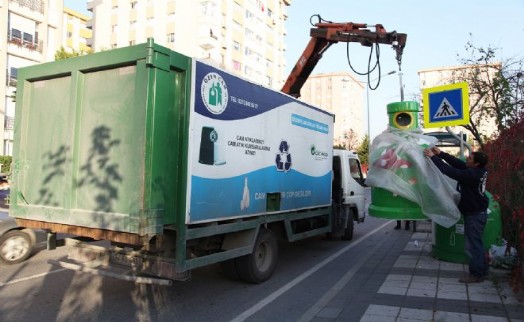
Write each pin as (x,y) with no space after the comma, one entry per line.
(324,34)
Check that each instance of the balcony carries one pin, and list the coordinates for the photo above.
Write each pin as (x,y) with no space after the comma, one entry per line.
(33,5)
(208,41)
(30,45)
(32,10)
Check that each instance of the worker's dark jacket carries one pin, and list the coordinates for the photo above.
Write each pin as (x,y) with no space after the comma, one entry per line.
(471,182)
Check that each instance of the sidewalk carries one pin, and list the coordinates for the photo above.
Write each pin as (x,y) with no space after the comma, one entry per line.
(422,288)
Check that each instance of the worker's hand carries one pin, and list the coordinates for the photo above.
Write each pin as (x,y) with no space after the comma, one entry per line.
(435,150)
(429,152)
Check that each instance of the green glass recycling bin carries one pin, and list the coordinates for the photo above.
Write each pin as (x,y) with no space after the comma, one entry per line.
(385,204)
(449,242)
(391,206)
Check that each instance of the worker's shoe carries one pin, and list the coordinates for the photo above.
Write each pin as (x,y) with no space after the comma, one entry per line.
(406,225)
(470,279)
(398,225)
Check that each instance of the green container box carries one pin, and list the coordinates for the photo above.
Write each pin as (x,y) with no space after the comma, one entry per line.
(449,242)
(99,140)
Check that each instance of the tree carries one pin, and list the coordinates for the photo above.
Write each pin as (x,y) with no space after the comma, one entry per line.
(363,150)
(496,89)
(350,140)
(62,53)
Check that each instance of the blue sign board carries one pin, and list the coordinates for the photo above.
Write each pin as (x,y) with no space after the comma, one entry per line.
(446,105)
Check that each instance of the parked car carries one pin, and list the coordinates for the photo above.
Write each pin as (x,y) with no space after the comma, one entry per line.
(16,243)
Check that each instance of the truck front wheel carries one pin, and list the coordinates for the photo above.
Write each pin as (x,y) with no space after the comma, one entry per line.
(259,265)
(348,230)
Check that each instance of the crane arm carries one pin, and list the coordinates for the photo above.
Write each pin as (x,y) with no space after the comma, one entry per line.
(327,33)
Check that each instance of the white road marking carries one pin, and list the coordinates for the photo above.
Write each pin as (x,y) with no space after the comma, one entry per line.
(273,296)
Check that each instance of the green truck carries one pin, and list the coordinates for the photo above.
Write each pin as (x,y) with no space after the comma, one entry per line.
(176,164)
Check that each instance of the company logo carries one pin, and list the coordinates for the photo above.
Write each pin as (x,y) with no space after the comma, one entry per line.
(318,154)
(214,93)
(283,159)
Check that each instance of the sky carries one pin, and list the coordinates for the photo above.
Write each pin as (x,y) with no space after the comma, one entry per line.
(437,32)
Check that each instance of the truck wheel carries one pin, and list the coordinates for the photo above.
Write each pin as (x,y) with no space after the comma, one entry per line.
(259,265)
(348,231)
(15,247)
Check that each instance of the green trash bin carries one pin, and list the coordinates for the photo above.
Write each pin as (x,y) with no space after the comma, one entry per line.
(449,242)
(390,206)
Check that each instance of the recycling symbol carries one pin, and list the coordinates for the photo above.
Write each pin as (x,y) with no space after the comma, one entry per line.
(283,159)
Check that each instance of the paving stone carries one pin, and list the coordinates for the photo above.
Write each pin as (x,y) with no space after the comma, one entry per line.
(485,318)
(416,314)
(451,317)
(421,293)
(424,279)
(451,295)
(393,290)
(479,297)
(383,310)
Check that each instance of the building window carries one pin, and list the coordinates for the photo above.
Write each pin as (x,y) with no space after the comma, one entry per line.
(171,37)
(237,66)
(13,74)
(15,33)
(236,45)
(114,28)
(113,46)
(208,8)
(131,42)
(133,5)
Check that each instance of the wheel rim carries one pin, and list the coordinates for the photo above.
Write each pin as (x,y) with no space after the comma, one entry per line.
(263,257)
(14,248)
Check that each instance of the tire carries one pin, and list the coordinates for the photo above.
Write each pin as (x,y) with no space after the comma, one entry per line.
(15,247)
(348,230)
(258,266)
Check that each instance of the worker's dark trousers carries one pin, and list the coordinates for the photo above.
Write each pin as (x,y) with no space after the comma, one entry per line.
(474,224)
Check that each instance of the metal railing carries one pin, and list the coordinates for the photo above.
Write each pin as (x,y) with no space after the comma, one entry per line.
(31,45)
(35,5)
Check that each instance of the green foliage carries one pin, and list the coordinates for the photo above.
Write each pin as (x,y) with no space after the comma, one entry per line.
(5,161)
(62,53)
(363,150)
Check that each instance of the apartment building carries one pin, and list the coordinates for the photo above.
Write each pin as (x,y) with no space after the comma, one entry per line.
(76,37)
(342,94)
(447,75)
(30,32)
(245,37)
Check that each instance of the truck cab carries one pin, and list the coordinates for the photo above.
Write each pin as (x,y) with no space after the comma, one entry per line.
(348,192)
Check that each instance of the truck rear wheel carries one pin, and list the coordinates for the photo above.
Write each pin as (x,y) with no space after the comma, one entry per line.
(259,265)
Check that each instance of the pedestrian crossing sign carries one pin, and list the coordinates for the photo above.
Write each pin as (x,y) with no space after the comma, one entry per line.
(446,105)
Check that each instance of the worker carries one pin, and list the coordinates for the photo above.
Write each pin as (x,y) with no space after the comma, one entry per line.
(471,183)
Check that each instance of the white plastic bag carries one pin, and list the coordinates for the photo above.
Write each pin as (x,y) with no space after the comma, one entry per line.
(397,164)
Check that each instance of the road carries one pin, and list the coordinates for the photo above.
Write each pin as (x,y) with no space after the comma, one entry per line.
(309,273)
